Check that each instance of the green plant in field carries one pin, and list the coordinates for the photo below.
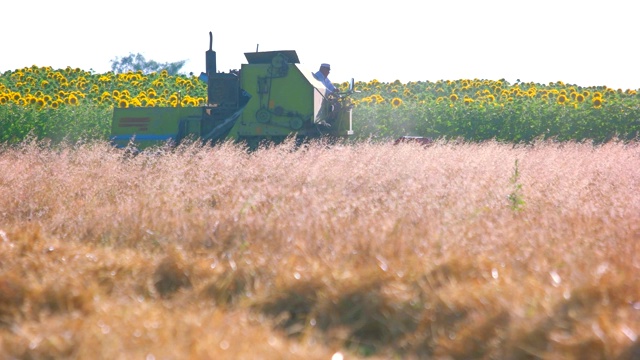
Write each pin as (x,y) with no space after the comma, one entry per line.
(516,200)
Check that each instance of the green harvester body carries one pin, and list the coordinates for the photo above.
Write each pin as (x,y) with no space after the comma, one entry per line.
(272,97)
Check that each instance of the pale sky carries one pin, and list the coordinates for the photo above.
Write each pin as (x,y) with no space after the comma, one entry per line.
(584,43)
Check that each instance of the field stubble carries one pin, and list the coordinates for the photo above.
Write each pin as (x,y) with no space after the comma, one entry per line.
(455,251)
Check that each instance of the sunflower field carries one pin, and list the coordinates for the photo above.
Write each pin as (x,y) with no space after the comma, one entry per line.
(72,104)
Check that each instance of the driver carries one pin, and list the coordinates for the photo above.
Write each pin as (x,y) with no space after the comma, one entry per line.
(323,76)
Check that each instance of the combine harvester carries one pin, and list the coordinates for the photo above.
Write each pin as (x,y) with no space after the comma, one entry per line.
(269,99)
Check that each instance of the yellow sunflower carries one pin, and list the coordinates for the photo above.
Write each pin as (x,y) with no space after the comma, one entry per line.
(597,102)
(453,97)
(395,102)
(562,99)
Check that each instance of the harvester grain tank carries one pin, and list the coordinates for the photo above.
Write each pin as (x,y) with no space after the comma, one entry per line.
(270,98)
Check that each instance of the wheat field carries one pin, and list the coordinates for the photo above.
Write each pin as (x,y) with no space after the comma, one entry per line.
(324,251)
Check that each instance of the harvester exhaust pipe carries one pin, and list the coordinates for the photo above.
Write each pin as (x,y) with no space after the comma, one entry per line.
(211,67)
(211,57)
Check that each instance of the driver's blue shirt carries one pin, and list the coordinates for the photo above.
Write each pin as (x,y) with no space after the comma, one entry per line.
(327,83)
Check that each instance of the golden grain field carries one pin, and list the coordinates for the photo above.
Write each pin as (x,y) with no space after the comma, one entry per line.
(455,251)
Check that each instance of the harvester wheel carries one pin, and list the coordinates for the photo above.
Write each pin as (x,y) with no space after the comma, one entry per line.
(263,116)
(295,123)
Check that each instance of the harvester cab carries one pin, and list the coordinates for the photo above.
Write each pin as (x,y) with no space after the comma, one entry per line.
(270,98)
